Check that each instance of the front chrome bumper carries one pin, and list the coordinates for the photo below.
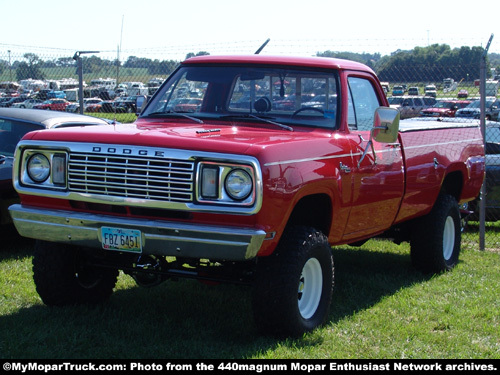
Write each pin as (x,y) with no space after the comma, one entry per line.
(159,237)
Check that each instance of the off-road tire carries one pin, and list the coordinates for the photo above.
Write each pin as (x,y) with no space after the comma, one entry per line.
(293,286)
(63,277)
(436,237)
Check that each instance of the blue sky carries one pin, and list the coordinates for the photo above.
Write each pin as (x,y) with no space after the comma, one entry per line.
(151,26)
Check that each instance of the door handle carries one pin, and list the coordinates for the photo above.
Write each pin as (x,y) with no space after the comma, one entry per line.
(344,168)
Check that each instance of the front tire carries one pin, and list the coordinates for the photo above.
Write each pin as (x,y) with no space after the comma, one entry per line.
(62,277)
(436,238)
(293,287)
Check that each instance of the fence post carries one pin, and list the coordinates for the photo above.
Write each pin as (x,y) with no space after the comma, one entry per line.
(77,57)
(482,93)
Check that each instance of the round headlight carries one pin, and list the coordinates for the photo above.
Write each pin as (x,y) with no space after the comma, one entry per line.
(38,168)
(238,184)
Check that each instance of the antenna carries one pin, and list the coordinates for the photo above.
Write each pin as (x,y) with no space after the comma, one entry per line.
(118,50)
(262,46)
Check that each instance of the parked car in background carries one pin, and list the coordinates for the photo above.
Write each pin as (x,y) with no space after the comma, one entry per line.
(11,101)
(93,107)
(413,91)
(127,104)
(410,106)
(473,110)
(53,105)
(398,91)
(28,103)
(430,90)
(108,106)
(289,102)
(319,101)
(444,108)
(192,105)
(73,108)
(492,179)
(462,94)
(14,124)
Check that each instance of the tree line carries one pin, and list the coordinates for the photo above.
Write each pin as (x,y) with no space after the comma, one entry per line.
(425,64)
(421,64)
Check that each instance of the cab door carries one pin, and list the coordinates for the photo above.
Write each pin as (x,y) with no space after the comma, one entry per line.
(378,176)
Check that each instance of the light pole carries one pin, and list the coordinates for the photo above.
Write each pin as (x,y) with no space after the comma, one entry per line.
(78,59)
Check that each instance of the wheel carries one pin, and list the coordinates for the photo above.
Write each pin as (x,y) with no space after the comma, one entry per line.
(293,286)
(436,237)
(62,276)
(308,109)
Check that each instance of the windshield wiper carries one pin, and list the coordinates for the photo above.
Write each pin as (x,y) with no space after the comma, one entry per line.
(159,114)
(263,119)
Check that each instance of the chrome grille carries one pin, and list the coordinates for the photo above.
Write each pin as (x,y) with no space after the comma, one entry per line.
(129,176)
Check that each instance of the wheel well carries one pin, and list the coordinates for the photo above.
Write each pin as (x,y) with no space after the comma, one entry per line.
(452,184)
(314,211)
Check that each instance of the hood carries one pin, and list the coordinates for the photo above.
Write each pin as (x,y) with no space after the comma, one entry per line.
(238,138)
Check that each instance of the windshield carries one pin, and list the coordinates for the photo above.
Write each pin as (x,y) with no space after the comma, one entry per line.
(444,105)
(251,93)
(477,103)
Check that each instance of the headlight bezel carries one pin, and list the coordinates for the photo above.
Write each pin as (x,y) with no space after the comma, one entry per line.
(223,171)
(56,175)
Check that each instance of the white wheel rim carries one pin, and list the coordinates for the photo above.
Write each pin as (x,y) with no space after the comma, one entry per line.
(310,288)
(448,238)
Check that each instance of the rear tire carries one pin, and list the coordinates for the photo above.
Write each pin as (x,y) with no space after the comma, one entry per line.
(62,277)
(436,238)
(293,287)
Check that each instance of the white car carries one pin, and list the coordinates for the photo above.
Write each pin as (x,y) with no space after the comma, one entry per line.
(430,90)
(28,103)
(408,106)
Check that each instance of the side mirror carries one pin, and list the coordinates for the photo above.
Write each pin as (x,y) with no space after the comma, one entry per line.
(140,103)
(386,125)
(385,129)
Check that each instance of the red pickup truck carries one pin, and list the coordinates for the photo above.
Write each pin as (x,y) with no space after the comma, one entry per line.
(240,189)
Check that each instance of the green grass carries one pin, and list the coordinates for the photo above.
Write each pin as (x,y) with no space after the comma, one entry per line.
(120,117)
(382,308)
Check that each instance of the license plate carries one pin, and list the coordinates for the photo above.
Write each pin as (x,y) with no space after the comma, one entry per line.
(121,239)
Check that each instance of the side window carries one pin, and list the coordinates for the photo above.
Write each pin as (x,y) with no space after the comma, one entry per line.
(11,133)
(362,103)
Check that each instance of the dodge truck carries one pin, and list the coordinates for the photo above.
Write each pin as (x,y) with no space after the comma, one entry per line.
(283,158)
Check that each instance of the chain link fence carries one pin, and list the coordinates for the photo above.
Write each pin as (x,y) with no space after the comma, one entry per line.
(434,81)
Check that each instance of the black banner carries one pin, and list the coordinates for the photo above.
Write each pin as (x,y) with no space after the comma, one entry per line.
(305,366)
